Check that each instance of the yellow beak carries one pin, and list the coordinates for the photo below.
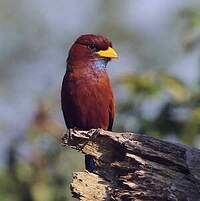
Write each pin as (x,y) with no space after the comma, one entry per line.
(109,53)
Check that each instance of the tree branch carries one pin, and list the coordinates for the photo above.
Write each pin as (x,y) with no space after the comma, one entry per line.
(132,166)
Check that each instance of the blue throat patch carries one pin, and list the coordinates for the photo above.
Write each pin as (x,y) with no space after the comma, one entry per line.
(101,64)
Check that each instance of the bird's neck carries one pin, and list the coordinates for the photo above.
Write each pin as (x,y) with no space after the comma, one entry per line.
(100,64)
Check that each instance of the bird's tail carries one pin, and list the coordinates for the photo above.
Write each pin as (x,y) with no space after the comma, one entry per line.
(89,163)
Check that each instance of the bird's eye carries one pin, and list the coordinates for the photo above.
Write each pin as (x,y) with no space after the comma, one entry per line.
(92,47)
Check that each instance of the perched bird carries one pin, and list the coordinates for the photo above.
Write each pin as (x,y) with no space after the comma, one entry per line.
(86,97)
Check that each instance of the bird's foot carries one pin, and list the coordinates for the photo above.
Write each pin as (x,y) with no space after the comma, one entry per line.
(70,131)
(95,134)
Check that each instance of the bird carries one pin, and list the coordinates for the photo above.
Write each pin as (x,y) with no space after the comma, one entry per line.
(87,98)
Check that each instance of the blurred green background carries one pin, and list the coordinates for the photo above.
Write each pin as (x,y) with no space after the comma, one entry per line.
(156,82)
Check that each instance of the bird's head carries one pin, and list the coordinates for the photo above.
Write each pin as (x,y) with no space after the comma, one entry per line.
(91,51)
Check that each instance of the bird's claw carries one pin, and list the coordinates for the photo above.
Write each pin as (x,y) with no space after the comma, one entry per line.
(70,131)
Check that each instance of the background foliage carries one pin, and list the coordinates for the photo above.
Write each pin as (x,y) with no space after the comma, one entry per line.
(156,82)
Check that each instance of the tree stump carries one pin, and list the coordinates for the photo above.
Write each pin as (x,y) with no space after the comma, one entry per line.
(136,167)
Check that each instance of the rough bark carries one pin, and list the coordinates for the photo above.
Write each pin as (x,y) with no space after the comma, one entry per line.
(132,166)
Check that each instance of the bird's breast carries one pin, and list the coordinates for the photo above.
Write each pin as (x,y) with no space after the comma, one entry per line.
(86,99)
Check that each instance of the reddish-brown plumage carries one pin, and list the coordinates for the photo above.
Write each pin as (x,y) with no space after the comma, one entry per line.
(87,97)
(87,100)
